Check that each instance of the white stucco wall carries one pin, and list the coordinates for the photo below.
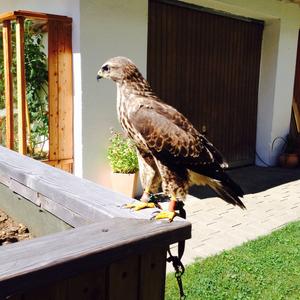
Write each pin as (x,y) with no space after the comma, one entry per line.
(71,9)
(108,28)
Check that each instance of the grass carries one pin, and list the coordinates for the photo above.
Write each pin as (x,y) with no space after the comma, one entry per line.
(267,268)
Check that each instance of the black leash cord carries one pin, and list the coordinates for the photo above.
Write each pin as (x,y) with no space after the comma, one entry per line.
(179,271)
(176,260)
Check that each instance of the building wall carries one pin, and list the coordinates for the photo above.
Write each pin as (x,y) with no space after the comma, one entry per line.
(106,28)
(110,28)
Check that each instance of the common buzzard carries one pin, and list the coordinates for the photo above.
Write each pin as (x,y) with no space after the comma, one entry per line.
(172,153)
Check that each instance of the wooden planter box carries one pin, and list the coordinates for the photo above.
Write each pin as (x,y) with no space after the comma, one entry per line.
(88,247)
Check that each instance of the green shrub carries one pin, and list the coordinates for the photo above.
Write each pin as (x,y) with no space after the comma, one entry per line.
(122,154)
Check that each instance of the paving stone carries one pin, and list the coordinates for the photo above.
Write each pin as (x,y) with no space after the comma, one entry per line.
(217,225)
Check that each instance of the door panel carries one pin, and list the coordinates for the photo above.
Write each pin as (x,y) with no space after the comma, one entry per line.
(207,66)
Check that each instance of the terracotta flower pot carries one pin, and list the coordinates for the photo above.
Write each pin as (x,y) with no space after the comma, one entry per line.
(126,184)
(289,160)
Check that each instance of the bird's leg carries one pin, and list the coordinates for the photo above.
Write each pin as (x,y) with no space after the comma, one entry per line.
(170,213)
(150,179)
(144,202)
(146,195)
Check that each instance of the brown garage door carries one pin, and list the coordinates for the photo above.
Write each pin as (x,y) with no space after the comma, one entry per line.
(207,66)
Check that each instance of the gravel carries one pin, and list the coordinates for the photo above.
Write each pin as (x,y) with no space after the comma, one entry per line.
(11,231)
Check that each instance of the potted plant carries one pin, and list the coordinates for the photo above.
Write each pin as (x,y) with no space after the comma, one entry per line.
(123,160)
(290,157)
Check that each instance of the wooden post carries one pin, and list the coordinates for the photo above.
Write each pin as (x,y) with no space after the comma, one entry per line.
(60,94)
(21,85)
(296,115)
(53,93)
(9,105)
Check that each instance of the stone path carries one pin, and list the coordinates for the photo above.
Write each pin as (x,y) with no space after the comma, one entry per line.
(217,225)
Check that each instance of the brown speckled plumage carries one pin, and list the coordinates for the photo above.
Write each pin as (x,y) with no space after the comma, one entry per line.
(171,150)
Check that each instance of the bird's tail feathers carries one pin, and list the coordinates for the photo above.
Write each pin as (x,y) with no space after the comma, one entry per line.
(226,189)
(228,195)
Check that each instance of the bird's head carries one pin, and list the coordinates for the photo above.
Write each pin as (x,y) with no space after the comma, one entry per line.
(117,69)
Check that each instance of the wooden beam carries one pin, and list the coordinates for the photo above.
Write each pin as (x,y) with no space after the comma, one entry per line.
(82,197)
(53,93)
(152,274)
(13,15)
(90,247)
(41,16)
(41,222)
(8,83)
(7,16)
(124,279)
(58,161)
(21,85)
(296,114)
(60,93)
(65,91)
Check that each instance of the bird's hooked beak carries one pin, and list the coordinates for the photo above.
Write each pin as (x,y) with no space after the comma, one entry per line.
(99,75)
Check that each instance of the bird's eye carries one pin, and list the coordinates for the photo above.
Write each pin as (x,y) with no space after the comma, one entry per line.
(105,68)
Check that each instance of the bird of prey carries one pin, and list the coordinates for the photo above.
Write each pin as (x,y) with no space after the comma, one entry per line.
(171,152)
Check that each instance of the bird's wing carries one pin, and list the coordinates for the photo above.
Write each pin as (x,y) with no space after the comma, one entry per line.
(173,140)
(171,137)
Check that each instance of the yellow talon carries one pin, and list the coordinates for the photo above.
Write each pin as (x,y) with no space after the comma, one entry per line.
(166,215)
(140,205)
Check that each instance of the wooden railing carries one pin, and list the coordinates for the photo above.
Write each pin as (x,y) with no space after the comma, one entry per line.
(60,95)
(108,253)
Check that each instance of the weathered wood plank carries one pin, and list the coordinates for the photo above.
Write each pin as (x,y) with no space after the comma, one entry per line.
(123,279)
(62,212)
(152,274)
(58,291)
(15,297)
(4,179)
(82,197)
(51,258)
(24,191)
(39,221)
(86,286)
(8,83)
(21,85)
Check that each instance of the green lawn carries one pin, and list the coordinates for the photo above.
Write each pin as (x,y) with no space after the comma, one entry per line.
(267,268)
